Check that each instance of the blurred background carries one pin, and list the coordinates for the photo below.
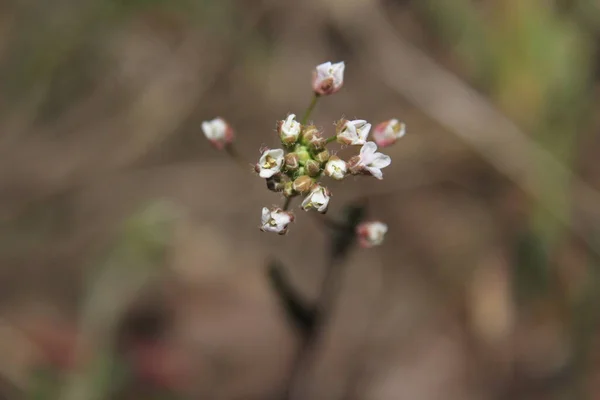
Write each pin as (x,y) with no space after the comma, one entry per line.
(131,264)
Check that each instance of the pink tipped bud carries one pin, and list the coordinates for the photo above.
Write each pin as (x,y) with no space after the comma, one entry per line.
(371,233)
(328,78)
(218,132)
(387,132)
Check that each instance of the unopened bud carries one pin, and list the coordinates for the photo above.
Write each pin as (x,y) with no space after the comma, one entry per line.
(288,190)
(313,168)
(218,132)
(328,78)
(303,155)
(322,157)
(292,161)
(313,138)
(303,184)
(275,183)
(289,130)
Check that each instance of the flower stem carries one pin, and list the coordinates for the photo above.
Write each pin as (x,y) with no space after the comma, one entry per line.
(287,203)
(310,108)
(331,139)
(236,156)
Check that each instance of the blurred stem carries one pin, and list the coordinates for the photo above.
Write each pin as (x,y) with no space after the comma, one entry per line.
(342,239)
(236,156)
(310,108)
(331,139)
(287,203)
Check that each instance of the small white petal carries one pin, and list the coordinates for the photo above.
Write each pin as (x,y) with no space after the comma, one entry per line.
(380,160)
(266,214)
(375,172)
(368,150)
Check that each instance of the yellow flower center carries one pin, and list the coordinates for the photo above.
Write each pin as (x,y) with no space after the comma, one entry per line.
(270,162)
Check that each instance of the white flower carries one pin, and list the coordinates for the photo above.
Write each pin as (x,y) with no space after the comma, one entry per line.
(317,199)
(369,162)
(270,163)
(371,233)
(336,168)
(289,130)
(328,78)
(275,220)
(353,132)
(218,132)
(386,133)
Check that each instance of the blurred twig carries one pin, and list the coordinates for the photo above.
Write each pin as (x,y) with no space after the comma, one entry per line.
(313,320)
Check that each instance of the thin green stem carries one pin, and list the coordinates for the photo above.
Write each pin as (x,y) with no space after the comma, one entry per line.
(331,139)
(236,156)
(310,108)
(287,203)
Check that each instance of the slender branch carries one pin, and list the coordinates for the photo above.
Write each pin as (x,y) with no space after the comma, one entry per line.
(310,108)
(342,240)
(237,157)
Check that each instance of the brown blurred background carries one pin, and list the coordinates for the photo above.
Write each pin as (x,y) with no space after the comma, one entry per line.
(131,264)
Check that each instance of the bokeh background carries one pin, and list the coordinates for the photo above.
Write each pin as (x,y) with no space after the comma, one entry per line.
(131,264)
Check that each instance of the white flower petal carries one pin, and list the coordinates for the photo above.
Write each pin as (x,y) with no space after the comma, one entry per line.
(367,151)
(266,214)
(375,172)
(380,160)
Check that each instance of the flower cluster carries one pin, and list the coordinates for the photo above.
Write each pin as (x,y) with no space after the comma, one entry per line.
(304,158)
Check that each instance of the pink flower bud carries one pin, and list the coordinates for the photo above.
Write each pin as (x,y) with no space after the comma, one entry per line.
(387,132)
(218,132)
(371,233)
(328,78)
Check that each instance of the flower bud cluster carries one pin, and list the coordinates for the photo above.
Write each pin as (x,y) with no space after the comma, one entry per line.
(296,169)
